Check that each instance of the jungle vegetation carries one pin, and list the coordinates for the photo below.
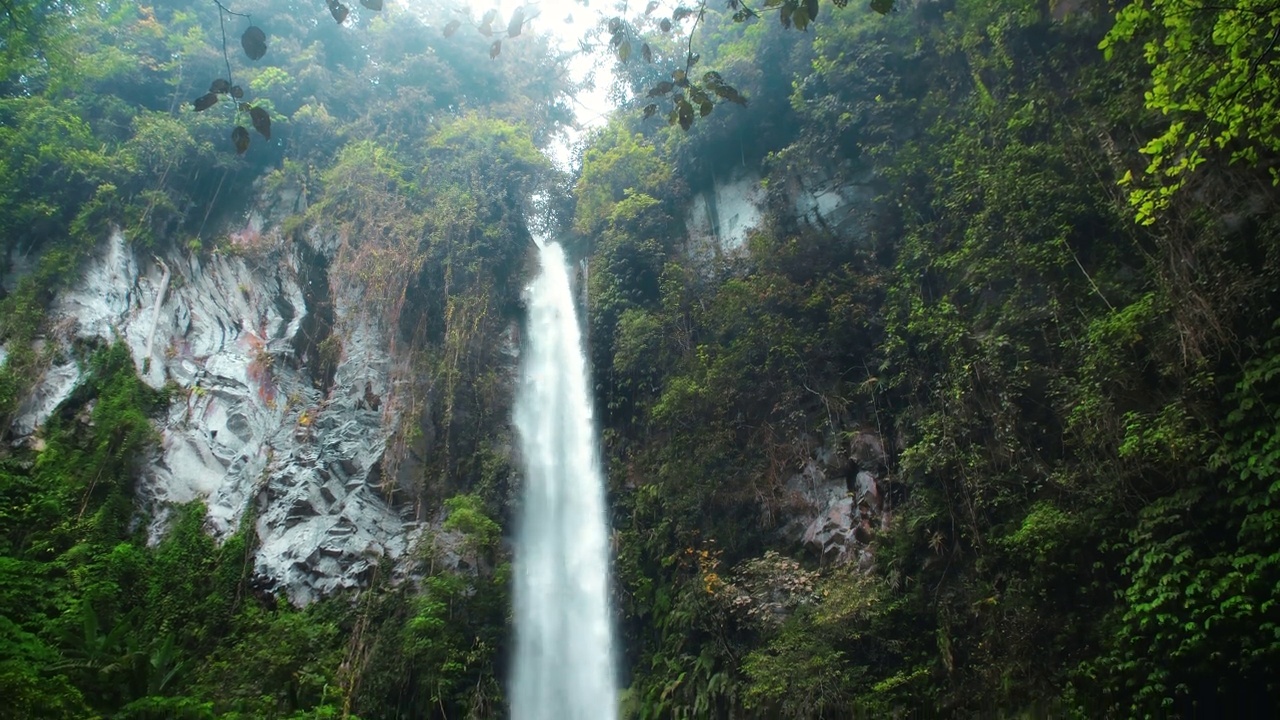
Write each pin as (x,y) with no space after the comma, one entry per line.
(1054,299)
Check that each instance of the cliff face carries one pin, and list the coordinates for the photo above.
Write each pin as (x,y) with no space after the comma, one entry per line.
(928,353)
(832,503)
(720,217)
(278,410)
(285,382)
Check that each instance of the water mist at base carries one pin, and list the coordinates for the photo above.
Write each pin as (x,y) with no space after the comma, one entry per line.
(564,655)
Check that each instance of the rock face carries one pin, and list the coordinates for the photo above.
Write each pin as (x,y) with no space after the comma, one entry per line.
(842,202)
(253,425)
(834,503)
(720,218)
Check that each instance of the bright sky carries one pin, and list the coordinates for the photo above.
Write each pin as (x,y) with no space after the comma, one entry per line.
(549,17)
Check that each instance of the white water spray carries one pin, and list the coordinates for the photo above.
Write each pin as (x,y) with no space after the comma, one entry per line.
(564,651)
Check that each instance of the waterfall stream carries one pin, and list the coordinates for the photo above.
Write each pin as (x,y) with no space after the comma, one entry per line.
(564,654)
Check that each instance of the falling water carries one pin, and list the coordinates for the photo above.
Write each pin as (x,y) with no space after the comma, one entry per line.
(564,656)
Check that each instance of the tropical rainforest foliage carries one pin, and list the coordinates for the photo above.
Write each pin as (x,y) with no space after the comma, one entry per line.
(1055,301)
(418,155)
(1053,296)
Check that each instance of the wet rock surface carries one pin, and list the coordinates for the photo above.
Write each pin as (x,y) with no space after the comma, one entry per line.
(253,423)
(833,504)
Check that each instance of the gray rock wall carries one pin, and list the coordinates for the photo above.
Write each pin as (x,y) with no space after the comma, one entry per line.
(719,219)
(834,505)
(252,426)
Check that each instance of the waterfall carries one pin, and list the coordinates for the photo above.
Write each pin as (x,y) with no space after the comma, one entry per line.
(564,651)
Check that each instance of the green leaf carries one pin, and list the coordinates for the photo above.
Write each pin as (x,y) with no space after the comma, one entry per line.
(338,10)
(204,102)
(240,138)
(661,88)
(261,121)
(729,93)
(800,18)
(254,42)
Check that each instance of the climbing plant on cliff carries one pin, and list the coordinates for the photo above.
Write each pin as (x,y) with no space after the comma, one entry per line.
(1214,80)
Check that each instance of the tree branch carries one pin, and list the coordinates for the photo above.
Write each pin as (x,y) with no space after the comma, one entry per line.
(223,24)
(229,11)
(688,51)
